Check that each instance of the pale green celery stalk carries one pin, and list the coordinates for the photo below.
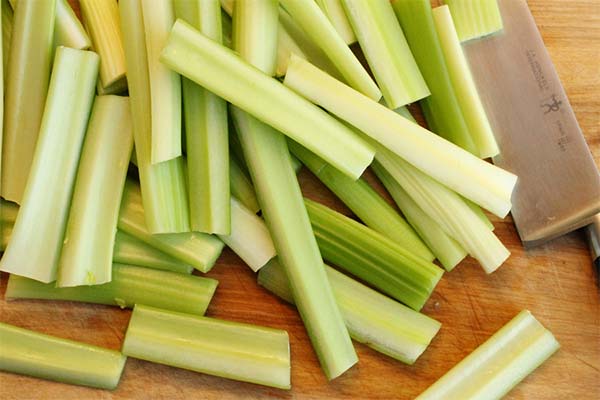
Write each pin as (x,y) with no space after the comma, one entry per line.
(373,257)
(365,203)
(231,350)
(130,285)
(42,356)
(250,239)
(448,209)
(101,19)
(87,253)
(129,250)
(7,27)
(475,179)
(165,85)
(68,30)
(27,78)
(387,52)
(164,191)
(8,216)
(206,133)
(279,195)
(334,11)
(475,18)
(194,248)
(224,73)
(442,109)
(499,364)
(38,233)
(446,250)
(241,186)
(316,25)
(462,80)
(226,29)
(371,318)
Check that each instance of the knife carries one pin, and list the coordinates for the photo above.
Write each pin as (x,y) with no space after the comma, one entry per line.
(539,138)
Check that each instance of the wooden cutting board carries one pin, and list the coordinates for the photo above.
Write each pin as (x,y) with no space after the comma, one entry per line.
(556,282)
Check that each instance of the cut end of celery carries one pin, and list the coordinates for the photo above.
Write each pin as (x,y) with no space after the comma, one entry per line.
(475,18)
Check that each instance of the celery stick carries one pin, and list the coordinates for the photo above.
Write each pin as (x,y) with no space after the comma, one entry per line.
(442,109)
(231,350)
(449,210)
(130,285)
(279,194)
(226,29)
(39,230)
(446,249)
(163,185)
(7,27)
(129,250)
(27,78)
(334,11)
(68,30)
(165,85)
(475,18)
(250,239)
(372,257)
(8,216)
(42,356)
(221,71)
(365,202)
(477,180)
(101,19)
(464,85)
(197,249)
(316,25)
(386,51)
(371,318)
(87,253)
(499,364)
(241,186)
(206,133)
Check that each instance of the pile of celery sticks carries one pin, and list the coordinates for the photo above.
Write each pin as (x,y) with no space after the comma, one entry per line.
(138,144)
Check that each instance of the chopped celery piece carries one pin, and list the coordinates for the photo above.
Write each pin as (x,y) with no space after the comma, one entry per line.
(163,185)
(385,48)
(101,19)
(499,364)
(241,186)
(250,240)
(279,195)
(165,85)
(68,30)
(130,285)
(129,250)
(87,253)
(372,257)
(221,71)
(448,209)
(371,318)
(197,249)
(477,180)
(231,350)
(7,27)
(480,213)
(464,85)
(446,249)
(43,356)
(442,109)
(475,18)
(316,25)
(334,11)
(206,133)
(8,216)
(38,233)
(365,202)
(27,78)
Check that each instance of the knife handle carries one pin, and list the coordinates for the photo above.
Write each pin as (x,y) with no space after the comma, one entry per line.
(593,235)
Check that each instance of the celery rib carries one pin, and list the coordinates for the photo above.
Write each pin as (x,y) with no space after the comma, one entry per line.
(38,233)
(231,350)
(130,285)
(334,10)
(475,18)
(43,356)
(499,364)
(68,30)
(7,27)
(241,186)
(221,71)
(477,180)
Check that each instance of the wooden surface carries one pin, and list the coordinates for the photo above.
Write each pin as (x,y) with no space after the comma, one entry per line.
(555,282)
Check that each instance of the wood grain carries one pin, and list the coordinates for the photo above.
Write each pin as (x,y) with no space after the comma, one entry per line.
(555,281)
